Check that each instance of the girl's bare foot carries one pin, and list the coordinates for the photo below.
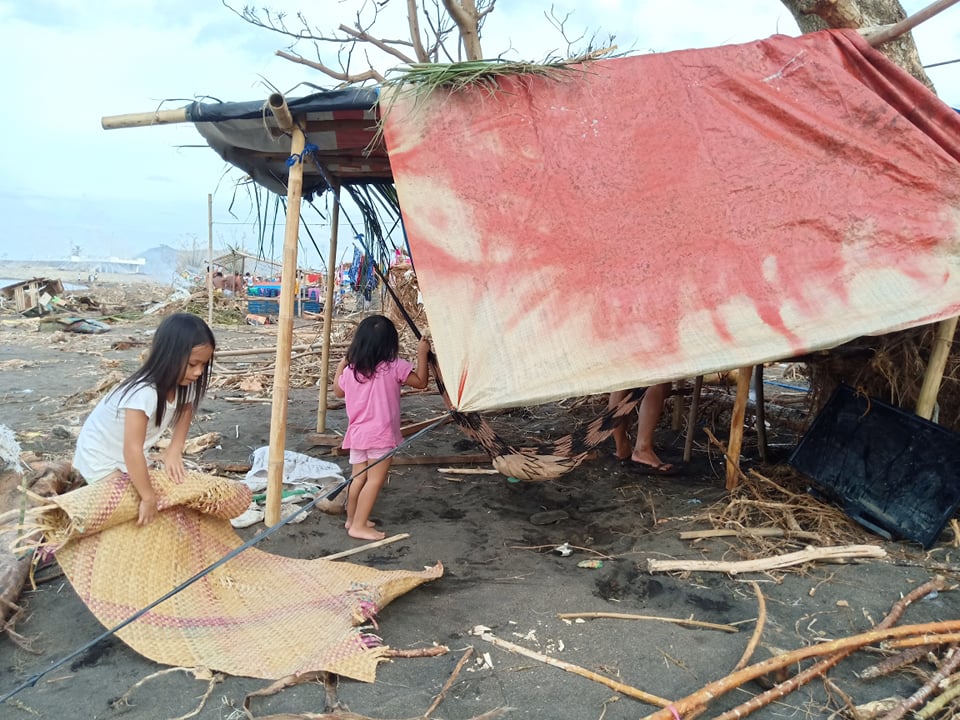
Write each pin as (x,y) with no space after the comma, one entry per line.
(370,524)
(366,534)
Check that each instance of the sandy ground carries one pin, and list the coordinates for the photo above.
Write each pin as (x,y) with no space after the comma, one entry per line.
(501,567)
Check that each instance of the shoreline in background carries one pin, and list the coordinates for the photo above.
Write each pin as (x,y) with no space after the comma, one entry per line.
(68,272)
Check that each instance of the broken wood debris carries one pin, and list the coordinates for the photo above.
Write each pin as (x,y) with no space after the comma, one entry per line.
(628,616)
(620,687)
(811,554)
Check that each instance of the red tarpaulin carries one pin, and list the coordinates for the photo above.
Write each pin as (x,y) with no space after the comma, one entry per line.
(656,217)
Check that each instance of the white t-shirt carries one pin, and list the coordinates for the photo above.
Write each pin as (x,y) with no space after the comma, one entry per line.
(99,449)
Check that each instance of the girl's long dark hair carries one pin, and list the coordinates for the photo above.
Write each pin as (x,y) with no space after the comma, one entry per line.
(174,340)
(376,341)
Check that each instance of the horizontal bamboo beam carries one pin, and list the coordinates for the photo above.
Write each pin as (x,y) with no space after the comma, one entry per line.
(278,106)
(157,117)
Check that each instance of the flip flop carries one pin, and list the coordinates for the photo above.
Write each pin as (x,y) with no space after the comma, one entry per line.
(662,470)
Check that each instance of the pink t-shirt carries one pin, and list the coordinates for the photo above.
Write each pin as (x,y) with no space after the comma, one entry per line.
(373,406)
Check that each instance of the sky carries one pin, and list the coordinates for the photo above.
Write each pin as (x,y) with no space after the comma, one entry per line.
(65,183)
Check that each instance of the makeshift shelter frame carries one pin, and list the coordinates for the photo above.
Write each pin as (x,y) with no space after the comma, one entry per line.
(288,124)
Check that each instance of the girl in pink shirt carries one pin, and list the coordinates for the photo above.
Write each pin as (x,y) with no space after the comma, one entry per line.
(369,378)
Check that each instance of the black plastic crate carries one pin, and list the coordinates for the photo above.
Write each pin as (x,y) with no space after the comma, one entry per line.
(892,471)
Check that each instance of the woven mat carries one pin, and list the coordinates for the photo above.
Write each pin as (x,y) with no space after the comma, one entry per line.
(258,615)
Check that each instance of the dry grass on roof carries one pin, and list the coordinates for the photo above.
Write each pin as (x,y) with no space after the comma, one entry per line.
(888,367)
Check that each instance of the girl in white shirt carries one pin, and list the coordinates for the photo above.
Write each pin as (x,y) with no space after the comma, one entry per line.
(130,419)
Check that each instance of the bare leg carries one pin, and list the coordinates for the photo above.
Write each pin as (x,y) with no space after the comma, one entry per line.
(651,407)
(356,485)
(620,438)
(374,477)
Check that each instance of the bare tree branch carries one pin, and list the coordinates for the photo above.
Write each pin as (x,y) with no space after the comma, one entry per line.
(365,37)
(413,18)
(344,77)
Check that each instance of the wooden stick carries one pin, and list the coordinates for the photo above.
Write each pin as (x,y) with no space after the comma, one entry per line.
(281,378)
(468,471)
(367,546)
(577,670)
(692,418)
(323,406)
(736,427)
(450,680)
(757,631)
(734,680)
(944,670)
(628,616)
(748,532)
(263,351)
(758,405)
(432,651)
(210,259)
(408,430)
(763,564)
(918,641)
(439,459)
(933,707)
(935,367)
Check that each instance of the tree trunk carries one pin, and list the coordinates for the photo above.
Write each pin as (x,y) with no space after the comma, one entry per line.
(467,18)
(813,15)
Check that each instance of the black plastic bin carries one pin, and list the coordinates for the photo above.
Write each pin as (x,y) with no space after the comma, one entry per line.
(893,472)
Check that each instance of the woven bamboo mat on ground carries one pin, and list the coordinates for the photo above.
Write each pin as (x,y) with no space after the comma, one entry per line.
(257,615)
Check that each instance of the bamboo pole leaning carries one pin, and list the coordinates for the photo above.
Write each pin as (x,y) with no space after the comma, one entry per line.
(328,312)
(281,377)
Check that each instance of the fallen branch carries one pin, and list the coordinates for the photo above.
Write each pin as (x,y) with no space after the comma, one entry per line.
(628,616)
(199,673)
(432,651)
(946,668)
(821,667)
(577,670)
(838,552)
(446,686)
(724,685)
(757,631)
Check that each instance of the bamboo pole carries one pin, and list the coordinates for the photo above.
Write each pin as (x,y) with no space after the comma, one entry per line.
(677,422)
(157,117)
(328,313)
(877,36)
(736,426)
(761,415)
(209,258)
(281,377)
(933,376)
(692,418)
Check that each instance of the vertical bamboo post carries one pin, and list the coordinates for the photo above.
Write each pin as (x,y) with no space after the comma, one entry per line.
(761,413)
(736,426)
(288,284)
(935,366)
(209,258)
(692,418)
(677,422)
(328,311)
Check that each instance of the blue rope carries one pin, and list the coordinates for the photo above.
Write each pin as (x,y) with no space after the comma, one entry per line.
(308,151)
